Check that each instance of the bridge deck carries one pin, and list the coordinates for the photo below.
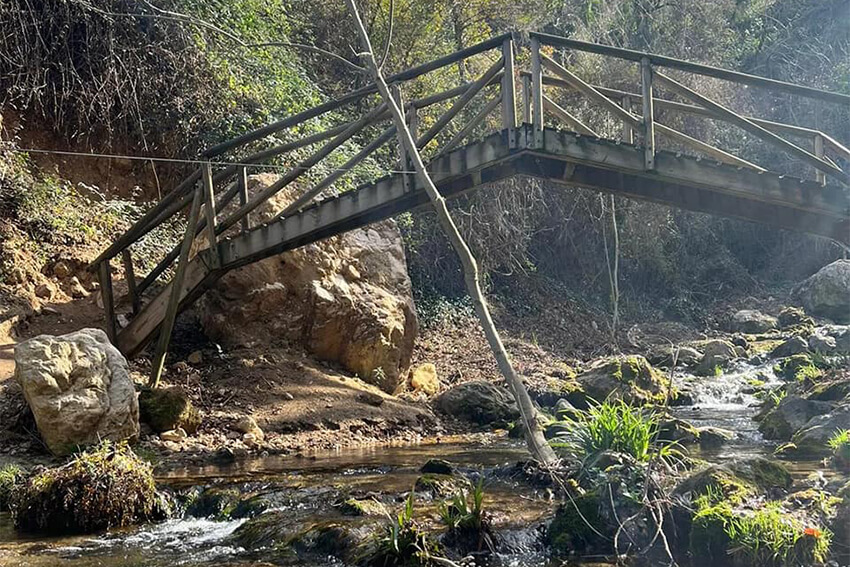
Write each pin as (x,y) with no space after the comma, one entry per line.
(563,158)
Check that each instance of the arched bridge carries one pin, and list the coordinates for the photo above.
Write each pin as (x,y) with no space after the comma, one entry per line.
(540,132)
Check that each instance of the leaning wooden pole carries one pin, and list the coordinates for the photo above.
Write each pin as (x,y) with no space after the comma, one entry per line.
(533,435)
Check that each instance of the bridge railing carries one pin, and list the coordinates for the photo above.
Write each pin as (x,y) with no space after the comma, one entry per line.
(217,195)
(645,123)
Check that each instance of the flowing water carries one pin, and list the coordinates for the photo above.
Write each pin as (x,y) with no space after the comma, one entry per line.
(307,487)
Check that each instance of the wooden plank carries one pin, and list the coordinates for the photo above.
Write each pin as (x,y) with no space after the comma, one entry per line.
(130,277)
(508,86)
(574,123)
(753,128)
(648,113)
(628,131)
(706,70)
(242,184)
(472,124)
(105,277)
(476,87)
(537,119)
(167,325)
(209,212)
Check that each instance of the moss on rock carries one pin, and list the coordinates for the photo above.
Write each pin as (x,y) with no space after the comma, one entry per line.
(574,527)
(365,507)
(629,378)
(167,409)
(797,367)
(215,502)
(106,487)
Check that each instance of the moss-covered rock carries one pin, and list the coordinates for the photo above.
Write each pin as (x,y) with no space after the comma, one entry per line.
(364,507)
(797,367)
(792,346)
(479,402)
(737,481)
(575,525)
(829,391)
(214,502)
(441,485)
(437,466)
(711,438)
(106,487)
(168,408)
(791,414)
(628,378)
(793,317)
(812,440)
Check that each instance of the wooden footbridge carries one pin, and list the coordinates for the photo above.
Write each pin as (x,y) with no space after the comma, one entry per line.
(534,136)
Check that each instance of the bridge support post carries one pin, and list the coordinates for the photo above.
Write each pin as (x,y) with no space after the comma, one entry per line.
(628,132)
(403,159)
(167,325)
(820,176)
(242,182)
(648,116)
(509,93)
(105,276)
(526,99)
(536,93)
(209,213)
(130,276)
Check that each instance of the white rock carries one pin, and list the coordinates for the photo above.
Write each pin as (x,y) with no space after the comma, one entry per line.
(79,389)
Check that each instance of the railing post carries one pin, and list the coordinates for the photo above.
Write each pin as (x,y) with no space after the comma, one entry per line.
(628,132)
(209,213)
(403,160)
(105,276)
(413,126)
(536,93)
(526,99)
(509,92)
(820,176)
(242,181)
(167,324)
(130,276)
(648,116)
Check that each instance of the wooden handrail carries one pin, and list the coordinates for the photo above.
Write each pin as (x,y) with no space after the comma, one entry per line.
(697,68)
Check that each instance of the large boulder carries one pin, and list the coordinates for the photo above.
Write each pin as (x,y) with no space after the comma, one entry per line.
(79,389)
(826,293)
(628,378)
(346,299)
(791,414)
(480,402)
(717,354)
(813,438)
(752,322)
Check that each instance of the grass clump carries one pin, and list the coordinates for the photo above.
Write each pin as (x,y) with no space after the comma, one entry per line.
(10,476)
(613,426)
(765,537)
(105,487)
(402,542)
(839,443)
(799,367)
(467,522)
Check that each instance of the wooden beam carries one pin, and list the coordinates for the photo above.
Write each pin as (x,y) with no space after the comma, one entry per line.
(707,149)
(628,131)
(752,128)
(167,325)
(476,87)
(817,143)
(471,125)
(301,168)
(526,99)
(105,277)
(242,184)
(538,121)
(508,87)
(209,213)
(590,92)
(401,152)
(648,113)
(130,277)
(574,123)
(338,173)
(706,70)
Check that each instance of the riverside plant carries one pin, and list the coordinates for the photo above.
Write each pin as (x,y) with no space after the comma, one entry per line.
(839,443)
(467,523)
(401,543)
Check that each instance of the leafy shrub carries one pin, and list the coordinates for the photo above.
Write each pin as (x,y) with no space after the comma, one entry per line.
(105,487)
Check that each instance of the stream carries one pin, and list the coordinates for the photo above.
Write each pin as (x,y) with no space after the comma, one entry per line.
(306,489)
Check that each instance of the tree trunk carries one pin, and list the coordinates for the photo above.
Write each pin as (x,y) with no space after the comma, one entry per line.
(533,435)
